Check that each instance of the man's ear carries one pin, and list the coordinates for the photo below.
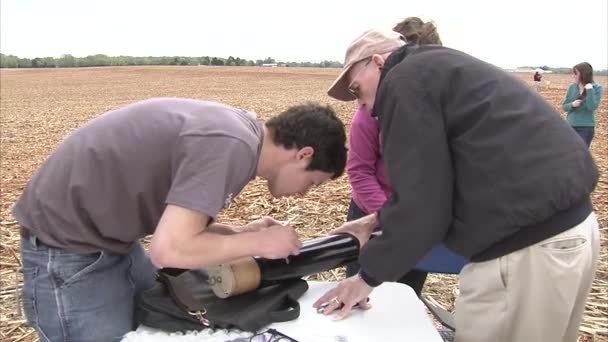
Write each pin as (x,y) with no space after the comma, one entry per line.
(305,152)
(378,60)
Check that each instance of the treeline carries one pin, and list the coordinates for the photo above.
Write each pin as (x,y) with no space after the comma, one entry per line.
(69,61)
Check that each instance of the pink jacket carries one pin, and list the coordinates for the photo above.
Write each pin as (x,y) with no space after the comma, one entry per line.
(365,167)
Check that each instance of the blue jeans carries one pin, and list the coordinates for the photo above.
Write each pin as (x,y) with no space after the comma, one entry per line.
(586,133)
(81,297)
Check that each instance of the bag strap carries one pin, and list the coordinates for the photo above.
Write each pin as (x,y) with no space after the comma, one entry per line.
(181,294)
(289,311)
(171,271)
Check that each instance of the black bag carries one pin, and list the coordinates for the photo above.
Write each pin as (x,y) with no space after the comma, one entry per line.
(185,301)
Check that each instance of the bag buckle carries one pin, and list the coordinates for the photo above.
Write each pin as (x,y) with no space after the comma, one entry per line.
(200,316)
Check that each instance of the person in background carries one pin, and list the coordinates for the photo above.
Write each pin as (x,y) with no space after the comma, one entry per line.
(537,82)
(416,31)
(163,167)
(582,100)
(365,167)
(476,160)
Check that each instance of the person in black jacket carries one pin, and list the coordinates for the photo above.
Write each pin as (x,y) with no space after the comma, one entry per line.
(481,162)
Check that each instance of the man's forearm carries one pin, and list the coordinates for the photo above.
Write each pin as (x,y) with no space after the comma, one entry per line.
(207,249)
(220,228)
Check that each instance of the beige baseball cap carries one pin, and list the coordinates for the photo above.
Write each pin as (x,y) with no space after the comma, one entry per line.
(371,42)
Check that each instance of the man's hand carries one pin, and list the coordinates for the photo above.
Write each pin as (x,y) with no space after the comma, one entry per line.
(576,103)
(259,224)
(344,296)
(361,228)
(277,241)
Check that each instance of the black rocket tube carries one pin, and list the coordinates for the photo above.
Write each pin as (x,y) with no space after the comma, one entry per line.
(317,255)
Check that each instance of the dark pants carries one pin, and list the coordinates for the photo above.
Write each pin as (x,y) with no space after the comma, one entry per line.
(414,278)
(586,133)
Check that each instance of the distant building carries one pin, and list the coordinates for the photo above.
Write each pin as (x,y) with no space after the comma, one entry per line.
(270,65)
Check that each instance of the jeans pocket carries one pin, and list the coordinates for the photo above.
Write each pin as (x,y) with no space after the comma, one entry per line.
(72,267)
(28,295)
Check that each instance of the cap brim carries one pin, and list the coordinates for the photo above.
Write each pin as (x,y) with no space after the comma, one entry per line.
(339,89)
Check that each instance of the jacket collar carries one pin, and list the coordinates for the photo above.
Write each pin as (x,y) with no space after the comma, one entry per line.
(393,59)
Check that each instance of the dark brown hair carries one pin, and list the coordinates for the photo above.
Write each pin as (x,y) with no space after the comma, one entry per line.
(314,125)
(585,72)
(418,32)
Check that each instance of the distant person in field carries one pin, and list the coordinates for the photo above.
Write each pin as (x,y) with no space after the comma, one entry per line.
(478,162)
(582,100)
(163,167)
(365,167)
(537,80)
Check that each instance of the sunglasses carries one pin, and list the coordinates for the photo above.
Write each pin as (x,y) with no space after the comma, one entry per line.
(354,90)
(270,335)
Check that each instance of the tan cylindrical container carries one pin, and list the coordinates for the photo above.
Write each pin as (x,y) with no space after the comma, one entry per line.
(234,277)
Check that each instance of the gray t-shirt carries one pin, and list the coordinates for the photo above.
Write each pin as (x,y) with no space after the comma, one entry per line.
(107,184)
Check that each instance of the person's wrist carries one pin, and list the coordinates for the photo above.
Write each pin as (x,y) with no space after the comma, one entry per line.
(371,222)
(376,219)
(367,279)
(588,86)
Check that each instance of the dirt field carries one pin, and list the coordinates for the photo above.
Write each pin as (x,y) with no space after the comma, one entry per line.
(39,107)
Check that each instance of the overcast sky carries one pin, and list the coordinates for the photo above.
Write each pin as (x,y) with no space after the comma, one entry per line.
(506,33)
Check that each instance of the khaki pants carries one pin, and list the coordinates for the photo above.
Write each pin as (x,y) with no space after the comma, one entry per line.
(534,294)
